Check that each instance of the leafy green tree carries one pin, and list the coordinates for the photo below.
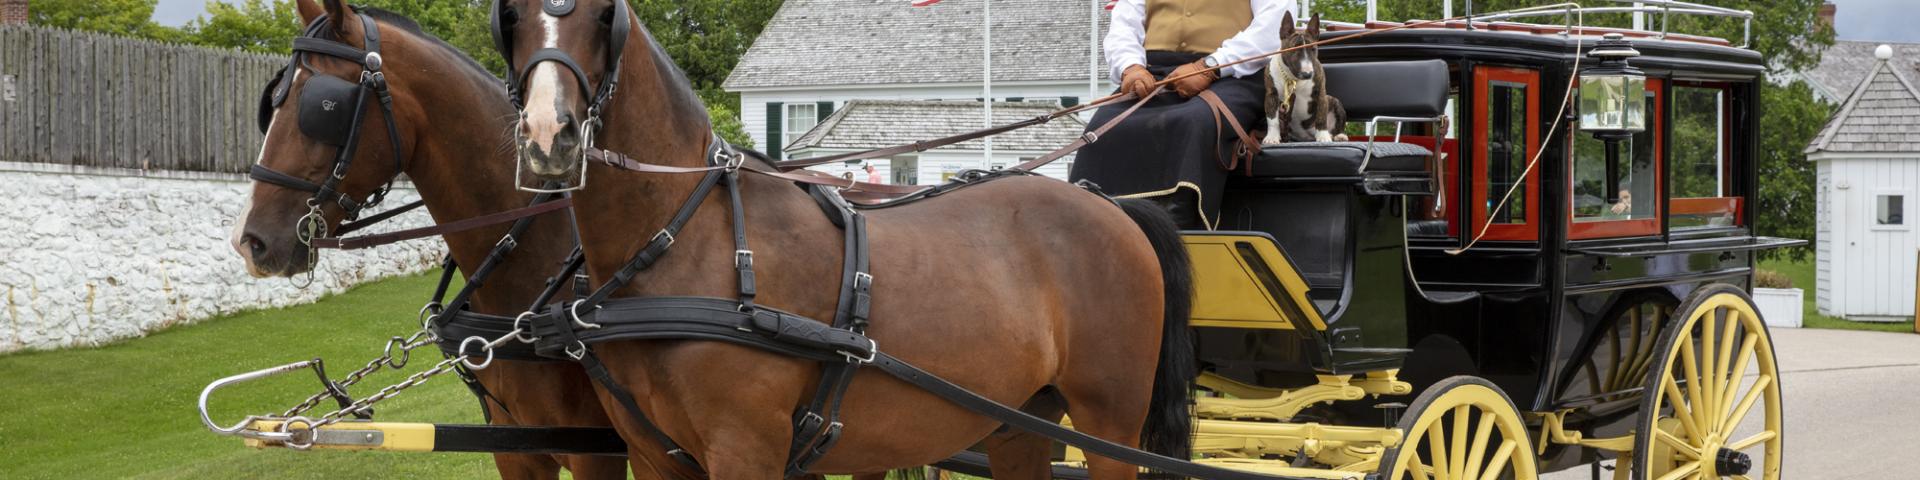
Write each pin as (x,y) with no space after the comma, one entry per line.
(126,18)
(706,38)
(1790,117)
(264,26)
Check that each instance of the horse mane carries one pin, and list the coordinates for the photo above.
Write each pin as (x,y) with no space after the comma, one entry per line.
(679,90)
(408,25)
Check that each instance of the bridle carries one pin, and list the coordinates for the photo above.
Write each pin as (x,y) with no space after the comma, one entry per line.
(505,19)
(324,118)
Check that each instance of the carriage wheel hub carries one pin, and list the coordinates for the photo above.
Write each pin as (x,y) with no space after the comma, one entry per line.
(1729,462)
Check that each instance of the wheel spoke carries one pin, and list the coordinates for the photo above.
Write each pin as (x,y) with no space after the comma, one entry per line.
(1457,467)
(1708,381)
(1691,364)
(1723,381)
(1480,436)
(1760,386)
(1437,449)
(1420,470)
(1725,407)
(1680,410)
(1749,442)
(1678,446)
(1501,458)
(1685,470)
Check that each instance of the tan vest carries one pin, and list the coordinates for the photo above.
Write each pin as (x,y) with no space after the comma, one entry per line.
(1195,26)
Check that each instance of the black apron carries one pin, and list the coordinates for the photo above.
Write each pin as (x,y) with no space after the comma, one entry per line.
(1171,143)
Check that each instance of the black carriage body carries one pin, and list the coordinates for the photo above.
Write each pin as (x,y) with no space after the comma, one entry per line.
(1542,310)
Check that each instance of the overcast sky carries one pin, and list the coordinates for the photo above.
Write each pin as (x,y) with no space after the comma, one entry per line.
(1863,20)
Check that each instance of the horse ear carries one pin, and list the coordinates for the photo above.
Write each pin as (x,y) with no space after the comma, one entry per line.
(337,17)
(309,10)
(1286,25)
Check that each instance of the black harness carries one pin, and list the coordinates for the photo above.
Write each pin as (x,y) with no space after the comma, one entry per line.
(505,19)
(331,112)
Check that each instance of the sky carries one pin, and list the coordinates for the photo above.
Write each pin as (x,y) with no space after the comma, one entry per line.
(1862,20)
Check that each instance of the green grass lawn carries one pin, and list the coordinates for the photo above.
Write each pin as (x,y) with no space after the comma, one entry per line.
(127,410)
(1802,274)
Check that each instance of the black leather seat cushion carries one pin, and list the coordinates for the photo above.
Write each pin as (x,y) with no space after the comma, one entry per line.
(1338,159)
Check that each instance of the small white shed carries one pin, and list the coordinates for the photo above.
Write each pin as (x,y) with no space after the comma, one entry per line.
(1868,159)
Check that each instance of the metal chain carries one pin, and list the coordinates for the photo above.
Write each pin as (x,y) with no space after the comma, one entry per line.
(414,380)
(406,346)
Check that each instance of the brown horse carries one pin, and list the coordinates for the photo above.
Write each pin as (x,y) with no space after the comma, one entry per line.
(446,108)
(1026,290)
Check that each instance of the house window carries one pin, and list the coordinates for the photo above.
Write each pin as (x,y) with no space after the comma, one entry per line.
(1637,212)
(801,117)
(1890,210)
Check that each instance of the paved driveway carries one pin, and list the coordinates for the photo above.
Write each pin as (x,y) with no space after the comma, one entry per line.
(1852,404)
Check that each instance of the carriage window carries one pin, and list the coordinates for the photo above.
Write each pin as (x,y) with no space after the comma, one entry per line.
(1638,180)
(1697,164)
(1890,210)
(1506,152)
(1506,120)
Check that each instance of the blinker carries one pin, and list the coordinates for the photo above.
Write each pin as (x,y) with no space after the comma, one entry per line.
(271,98)
(327,105)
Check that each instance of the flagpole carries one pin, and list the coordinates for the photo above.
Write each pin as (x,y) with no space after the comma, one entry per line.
(986,11)
(1093,49)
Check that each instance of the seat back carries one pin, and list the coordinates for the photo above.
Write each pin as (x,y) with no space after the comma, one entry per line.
(1415,89)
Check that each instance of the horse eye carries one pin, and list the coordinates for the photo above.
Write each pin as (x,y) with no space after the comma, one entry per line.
(509,17)
(606,17)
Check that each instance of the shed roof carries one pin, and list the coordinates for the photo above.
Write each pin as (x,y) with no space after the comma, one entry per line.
(1843,65)
(1882,115)
(878,42)
(869,124)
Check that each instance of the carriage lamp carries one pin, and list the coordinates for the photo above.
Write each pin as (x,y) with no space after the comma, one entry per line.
(1612,102)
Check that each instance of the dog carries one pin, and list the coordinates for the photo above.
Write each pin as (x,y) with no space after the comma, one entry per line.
(1298,107)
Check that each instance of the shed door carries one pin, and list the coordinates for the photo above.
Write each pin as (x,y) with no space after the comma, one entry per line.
(1881,245)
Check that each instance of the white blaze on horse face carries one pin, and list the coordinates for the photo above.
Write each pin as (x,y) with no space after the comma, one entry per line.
(237,238)
(542,121)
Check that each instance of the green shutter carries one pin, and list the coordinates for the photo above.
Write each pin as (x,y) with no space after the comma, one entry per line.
(1016,99)
(823,109)
(1069,101)
(774,127)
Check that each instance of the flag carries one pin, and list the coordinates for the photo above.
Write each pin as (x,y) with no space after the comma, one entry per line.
(1111,3)
(923,3)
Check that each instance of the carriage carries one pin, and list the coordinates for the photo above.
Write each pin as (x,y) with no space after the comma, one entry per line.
(1493,290)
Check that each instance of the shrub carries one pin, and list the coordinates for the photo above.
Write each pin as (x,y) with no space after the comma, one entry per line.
(1771,279)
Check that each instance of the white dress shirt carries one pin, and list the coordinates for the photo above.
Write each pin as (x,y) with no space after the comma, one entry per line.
(1126,37)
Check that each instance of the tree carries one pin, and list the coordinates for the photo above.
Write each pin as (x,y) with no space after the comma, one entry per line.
(706,38)
(255,26)
(127,18)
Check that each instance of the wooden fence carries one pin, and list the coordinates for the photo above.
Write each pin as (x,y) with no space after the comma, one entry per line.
(86,99)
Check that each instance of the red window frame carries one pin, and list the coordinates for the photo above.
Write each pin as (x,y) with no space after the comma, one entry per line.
(1726,203)
(1637,227)
(1483,78)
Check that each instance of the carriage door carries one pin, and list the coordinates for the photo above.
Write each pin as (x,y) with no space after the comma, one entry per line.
(1505,111)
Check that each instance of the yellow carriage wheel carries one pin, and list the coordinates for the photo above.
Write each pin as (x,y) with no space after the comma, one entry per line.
(1462,428)
(1698,414)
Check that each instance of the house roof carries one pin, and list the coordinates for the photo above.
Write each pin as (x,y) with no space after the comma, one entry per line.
(876,42)
(869,124)
(1845,63)
(1881,115)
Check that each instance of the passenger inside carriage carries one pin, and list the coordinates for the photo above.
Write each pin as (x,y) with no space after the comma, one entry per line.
(1172,149)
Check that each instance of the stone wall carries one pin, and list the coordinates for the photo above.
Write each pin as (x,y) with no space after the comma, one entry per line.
(89,256)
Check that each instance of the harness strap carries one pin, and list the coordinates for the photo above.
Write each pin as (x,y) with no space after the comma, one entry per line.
(817,427)
(658,245)
(375,240)
(1248,146)
(478,277)
(598,371)
(368,221)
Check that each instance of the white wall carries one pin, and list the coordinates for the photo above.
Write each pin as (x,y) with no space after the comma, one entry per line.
(89,258)
(753,103)
(1872,265)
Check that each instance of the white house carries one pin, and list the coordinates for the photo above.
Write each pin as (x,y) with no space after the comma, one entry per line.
(815,56)
(1868,160)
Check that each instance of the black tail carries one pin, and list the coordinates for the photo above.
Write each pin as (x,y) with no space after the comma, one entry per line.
(1169,427)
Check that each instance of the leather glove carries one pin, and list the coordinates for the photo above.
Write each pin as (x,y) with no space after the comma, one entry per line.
(1137,81)
(1190,86)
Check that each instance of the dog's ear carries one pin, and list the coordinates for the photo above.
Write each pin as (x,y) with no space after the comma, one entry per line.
(1313,27)
(1286,25)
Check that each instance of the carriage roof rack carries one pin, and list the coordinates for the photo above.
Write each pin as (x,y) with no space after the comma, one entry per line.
(1570,12)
